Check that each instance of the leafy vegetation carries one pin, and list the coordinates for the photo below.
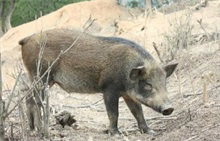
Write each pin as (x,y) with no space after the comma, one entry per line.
(28,10)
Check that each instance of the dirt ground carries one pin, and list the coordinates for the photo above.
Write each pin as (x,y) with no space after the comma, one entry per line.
(194,88)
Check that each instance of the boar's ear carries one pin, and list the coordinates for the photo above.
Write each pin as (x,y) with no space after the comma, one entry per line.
(137,72)
(170,69)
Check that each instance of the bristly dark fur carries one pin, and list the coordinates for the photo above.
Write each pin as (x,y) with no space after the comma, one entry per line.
(113,66)
(128,43)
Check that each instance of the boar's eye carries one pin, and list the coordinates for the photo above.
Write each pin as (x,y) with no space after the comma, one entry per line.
(148,87)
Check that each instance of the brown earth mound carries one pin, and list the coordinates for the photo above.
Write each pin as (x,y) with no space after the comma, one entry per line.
(197,112)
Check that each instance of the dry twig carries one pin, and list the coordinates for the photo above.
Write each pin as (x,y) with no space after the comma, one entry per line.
(157,51)
(46,72)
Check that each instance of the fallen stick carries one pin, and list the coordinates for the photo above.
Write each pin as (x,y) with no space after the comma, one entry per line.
(203,3)
(82,106)
(217,105)
(89,105)
(153,118)
(191,138)
(188,95)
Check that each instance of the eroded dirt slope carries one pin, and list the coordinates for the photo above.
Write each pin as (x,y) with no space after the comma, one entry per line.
(199,64)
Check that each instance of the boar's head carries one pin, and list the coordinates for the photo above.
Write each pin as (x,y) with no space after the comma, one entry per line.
(149,86)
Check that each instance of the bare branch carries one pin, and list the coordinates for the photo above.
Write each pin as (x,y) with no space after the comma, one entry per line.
(8,17)
(157,51)
(1,101)
(49,69)
(2,7)
(80,35)
(13,90)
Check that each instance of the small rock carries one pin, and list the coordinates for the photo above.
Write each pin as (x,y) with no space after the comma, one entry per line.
(61,135)
(65,118)
(209,104)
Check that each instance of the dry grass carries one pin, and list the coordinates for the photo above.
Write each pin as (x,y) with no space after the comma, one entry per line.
(196,114)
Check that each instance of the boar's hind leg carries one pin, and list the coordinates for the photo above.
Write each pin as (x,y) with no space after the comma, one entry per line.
(34,105)
(33,113)
(137,111)
(111,102)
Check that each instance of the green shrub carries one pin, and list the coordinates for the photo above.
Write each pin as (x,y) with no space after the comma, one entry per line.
(27,10)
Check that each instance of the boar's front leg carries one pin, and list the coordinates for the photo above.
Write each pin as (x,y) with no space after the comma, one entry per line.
(137,111)
(111,100)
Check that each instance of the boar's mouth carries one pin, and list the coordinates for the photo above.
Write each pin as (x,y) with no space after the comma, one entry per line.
(165,109)
(162,106)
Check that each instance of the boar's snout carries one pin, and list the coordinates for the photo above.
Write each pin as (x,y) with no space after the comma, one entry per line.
(167,110)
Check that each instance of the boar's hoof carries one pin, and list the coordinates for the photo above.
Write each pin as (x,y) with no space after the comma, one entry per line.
(113,132)
(146,129)
(150,132)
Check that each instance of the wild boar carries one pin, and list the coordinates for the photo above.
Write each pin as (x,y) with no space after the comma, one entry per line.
(113,66)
